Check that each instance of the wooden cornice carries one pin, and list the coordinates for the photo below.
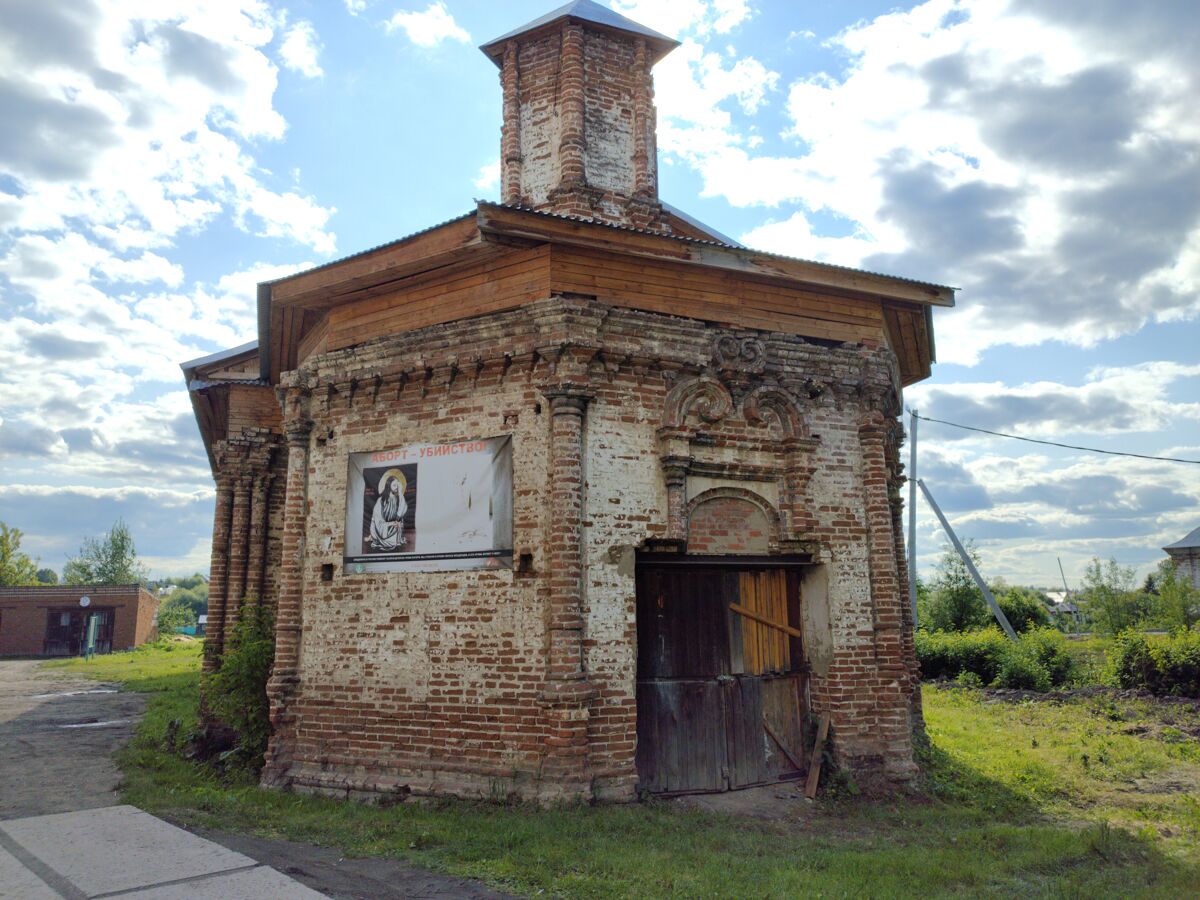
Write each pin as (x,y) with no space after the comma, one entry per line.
(495,220)
(328,285)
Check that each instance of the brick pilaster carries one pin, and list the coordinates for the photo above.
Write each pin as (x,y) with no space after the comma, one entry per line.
(675,474)
(510,134)
(239,537)
(644,162)
(567,692)
(573,171)
(259,505)
(892,689)
(218,574)
(289,610)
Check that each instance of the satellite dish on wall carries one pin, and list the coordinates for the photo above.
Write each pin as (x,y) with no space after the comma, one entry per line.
(85,600)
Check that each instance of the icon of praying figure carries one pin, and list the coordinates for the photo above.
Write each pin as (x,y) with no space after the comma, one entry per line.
(387,519)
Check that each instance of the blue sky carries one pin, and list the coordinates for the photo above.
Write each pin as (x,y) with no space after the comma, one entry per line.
(1041,155)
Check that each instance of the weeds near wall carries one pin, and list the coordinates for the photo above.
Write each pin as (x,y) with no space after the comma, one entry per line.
(236,694)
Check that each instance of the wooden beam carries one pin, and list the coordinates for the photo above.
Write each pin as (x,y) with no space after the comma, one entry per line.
(814,769)
(771,623)
(786,752)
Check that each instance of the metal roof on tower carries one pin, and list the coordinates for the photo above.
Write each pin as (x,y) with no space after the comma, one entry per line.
(1190,541)
(592,13)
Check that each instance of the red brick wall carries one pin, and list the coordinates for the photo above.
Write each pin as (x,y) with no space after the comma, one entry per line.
(23,613)
(434,682)
(728,525)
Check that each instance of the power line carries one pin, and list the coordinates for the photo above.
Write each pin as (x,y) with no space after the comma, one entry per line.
(1017,437)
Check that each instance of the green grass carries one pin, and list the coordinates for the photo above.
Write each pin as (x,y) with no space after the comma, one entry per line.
(162,666)
(1033,798)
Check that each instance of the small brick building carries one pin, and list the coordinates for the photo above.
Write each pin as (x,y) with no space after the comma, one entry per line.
(571,496)
(49,620)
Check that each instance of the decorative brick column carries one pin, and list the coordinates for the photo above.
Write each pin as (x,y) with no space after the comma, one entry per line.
(644,154)
(675,469)
(567,692)
(238,547)
(893,727)
(572,171)
(218,574)
(896,482)
(259,503)
(285,674)
(510,134)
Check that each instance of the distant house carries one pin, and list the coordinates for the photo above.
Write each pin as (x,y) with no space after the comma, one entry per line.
(1185,553)
(1062,606)
(52,620)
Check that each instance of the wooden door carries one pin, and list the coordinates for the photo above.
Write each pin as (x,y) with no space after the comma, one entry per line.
(713,687)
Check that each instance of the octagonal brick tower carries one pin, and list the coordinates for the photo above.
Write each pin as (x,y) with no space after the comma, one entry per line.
(579,121)
(685,545)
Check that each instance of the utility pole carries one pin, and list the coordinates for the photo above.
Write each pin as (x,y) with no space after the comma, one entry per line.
(987,592)
(1063,574)
(912,513)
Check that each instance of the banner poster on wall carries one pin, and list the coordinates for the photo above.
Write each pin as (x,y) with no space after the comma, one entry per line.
(430,508)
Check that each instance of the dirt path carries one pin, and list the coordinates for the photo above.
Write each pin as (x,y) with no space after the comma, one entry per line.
(326,870)
(57,736)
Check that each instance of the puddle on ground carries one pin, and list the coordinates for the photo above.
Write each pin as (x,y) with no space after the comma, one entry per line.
(98,724)
(74,693)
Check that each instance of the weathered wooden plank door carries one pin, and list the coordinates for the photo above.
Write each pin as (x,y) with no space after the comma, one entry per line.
(709,682)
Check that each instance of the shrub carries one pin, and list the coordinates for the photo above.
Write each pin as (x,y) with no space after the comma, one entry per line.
(1038,662)
(1024,608)
(1160,665)
(1021,670)
(947,654)
(236,693)
(1049,648)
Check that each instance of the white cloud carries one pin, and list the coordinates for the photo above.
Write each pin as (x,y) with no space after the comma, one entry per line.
(1134,398)
(701,17)
(1041,158)
(355,7)
(428,28)
(300,49)
(141,129)
(488,179)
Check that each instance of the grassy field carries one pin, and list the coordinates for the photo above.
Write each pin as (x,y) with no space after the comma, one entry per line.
(1090,797)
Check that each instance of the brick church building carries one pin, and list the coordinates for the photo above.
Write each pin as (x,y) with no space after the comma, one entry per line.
(571,497)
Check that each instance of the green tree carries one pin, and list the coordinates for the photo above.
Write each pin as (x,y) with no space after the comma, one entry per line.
(16,568)
(47,576)
(111,559)
(194,598)
(1110,599)
(1025,608)
(174,616)
(954,602)
(1177,604)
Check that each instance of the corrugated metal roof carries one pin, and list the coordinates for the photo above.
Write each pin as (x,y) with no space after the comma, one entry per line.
(722,244)
(219,356)
(1190,541)
(696,223)
(199,384)
(587,11)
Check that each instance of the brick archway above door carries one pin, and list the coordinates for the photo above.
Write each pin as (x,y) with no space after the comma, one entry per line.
(730,521)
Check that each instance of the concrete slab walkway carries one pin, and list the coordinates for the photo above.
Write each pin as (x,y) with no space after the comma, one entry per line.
(120,851)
